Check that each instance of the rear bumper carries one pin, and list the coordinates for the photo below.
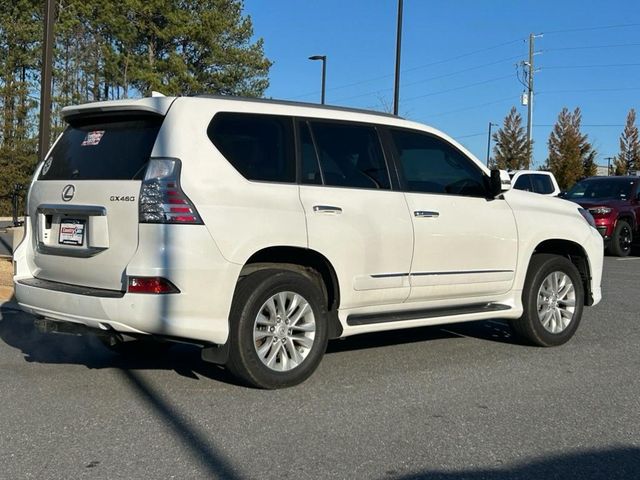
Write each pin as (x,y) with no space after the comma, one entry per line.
(191,261)
(166,315)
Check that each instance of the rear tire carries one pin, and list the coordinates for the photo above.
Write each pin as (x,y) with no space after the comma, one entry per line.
(621,239)
(278,328)
(553,299)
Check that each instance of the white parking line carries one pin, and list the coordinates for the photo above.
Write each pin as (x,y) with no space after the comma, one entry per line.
(502,324)
(624,259)
(454,333)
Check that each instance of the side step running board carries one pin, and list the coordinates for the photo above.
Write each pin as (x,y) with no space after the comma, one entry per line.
(369,318)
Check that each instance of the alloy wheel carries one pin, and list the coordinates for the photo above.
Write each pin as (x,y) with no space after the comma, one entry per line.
(284,331)
(556,302)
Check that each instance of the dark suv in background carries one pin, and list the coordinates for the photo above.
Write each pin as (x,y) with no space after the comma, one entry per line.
(614,203)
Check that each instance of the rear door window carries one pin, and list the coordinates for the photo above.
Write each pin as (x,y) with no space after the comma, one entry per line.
(105,149)
(350,155)
(260,147)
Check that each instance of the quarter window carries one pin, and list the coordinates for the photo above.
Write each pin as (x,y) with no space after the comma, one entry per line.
(350,155)
(430,165)
(260,147)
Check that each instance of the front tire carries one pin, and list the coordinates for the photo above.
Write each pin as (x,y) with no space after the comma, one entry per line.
(553,299)
(621,239)
(278,328)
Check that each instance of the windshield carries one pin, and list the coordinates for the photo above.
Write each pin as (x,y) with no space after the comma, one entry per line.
(600,189)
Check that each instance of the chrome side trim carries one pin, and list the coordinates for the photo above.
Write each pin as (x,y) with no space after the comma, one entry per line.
(419,274)
(459,272)
(388,275)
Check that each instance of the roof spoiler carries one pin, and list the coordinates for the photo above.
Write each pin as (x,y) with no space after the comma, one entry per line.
(156,106)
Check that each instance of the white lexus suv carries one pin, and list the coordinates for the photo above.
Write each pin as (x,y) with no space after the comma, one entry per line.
(261,229)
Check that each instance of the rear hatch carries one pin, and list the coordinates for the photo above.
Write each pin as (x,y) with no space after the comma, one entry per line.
(84,204)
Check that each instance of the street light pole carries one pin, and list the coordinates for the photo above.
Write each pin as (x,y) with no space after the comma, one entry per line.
(45,80)
(324,73)
(608,159)
(489,141)
(396,90)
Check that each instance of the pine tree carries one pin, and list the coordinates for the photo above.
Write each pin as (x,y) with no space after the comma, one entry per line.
(629,156)
(512,149)
(571,155)
(111,50)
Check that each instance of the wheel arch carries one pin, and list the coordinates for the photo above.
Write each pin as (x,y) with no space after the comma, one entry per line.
(630,218)
(305,260)
(578,256)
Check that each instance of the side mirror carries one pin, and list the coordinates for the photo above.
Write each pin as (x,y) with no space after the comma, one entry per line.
(562,194)
(500,182)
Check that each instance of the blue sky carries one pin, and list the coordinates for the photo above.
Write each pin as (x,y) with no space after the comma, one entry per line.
(459,61)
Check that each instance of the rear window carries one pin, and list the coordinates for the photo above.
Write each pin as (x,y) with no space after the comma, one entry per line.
(105,149)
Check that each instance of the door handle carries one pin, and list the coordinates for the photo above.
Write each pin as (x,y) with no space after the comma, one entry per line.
(425,214)
(327,209)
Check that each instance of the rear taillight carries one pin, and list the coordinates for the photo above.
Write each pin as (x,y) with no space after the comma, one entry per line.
(154,285)
(161,198)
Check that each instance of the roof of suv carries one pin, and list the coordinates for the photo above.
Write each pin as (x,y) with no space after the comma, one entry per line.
(299,104)
(160,105)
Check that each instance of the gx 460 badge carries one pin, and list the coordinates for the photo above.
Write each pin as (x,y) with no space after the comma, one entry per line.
(122,198)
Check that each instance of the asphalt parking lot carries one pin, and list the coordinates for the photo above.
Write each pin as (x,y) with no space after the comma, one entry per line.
(464,401)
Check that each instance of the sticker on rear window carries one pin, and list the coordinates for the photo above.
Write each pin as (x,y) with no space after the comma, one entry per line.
(92,138)
(47,165)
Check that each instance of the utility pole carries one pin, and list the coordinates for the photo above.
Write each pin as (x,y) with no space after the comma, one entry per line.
(396,92)
(45,80)
(530,89)
(530,71)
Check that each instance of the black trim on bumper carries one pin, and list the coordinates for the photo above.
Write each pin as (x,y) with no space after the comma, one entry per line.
(74,289)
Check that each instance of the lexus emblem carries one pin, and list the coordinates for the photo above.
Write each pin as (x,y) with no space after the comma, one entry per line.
(68,192)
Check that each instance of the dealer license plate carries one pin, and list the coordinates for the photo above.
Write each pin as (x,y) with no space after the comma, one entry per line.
(71,232)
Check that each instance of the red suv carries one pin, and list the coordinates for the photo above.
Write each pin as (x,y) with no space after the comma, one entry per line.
(615,206)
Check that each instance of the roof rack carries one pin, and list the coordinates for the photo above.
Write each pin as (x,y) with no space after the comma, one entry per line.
(298,104)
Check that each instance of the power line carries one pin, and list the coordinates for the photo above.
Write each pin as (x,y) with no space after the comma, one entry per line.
(436,77)
(475,106)
(610,65)
(590,47)
(599,27)
(468,54)
(590,125)
(503,60)
(581,90)
(469,136)
(484,82)
(418,67)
